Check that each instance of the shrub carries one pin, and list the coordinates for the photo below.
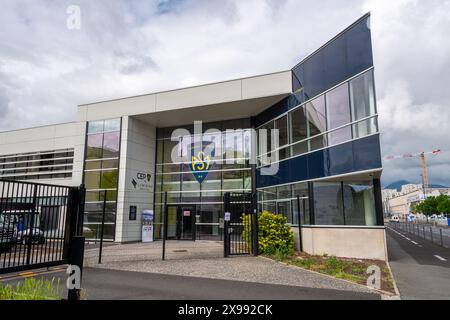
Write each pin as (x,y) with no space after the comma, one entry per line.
(274,235)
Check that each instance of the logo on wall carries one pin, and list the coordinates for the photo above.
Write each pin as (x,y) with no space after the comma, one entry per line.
(201,159)
(142,181)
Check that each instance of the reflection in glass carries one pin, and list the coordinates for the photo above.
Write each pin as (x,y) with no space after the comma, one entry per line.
(338,107)
(363,103)
(92,179)
(111,142)
(329,209)
(298,125)
(109,179)
(112,125)
(95,127)
(316,116)
(359,203)
(282,126)
(94,146)
(284,208)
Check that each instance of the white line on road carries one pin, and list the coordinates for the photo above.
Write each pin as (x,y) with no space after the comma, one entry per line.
(415,243)
(440,258)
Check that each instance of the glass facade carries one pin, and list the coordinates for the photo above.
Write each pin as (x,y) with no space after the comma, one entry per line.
(101,173)
(334,203)
(343,113)
(228,172)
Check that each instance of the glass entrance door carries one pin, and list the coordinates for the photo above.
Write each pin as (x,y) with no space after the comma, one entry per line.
(186,222)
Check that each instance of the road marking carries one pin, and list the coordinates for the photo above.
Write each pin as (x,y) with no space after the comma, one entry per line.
(440,258)
(415,243)
(408,239)
(26,274)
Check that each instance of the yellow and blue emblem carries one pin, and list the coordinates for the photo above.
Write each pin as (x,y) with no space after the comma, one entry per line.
(201,162)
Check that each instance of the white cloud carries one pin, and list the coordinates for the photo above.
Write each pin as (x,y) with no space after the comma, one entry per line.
(127,48)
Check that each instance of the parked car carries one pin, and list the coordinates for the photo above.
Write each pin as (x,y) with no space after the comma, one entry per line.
(7,233)
(411,218)
(24,232)
(394,219)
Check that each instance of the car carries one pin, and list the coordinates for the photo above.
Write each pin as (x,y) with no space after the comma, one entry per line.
(7,233)
(394,219)
(24,233)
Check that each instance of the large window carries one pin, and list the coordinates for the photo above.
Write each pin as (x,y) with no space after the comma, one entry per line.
(328,203)
(285,200)
(339,115)
(363,104)
(344,203)
(359,203)
(101,173)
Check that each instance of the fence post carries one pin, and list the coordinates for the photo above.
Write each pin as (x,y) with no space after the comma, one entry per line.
(226,207)
(76,257)
(300,240)
(431,234)
(80,213)
(255,224)
(103,227)
(29,240)
(166,213)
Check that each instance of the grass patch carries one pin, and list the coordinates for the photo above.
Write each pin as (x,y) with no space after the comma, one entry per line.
(31,289)
(353,270)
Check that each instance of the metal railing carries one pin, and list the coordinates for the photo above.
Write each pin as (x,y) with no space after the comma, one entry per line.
(439,236)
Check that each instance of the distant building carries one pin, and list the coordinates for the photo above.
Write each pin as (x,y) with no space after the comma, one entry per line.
(400,203)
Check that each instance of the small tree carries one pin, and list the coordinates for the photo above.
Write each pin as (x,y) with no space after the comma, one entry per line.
(428,207)
(443,205)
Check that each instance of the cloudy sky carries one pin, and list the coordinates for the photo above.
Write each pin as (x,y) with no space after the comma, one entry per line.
(133,47)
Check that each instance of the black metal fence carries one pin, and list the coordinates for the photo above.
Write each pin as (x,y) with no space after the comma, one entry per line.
(241,230)
(37,224)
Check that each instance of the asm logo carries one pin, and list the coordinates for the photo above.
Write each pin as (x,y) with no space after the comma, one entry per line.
(201,160)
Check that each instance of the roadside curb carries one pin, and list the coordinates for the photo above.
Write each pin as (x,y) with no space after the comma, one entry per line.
(397,292)
(384,294)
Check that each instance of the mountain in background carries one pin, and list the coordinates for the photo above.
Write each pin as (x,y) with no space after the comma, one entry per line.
(398,185)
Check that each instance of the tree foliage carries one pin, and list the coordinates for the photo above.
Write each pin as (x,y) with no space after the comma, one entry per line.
(434,205)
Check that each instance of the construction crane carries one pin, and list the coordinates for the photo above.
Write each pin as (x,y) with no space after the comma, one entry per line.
(423,161)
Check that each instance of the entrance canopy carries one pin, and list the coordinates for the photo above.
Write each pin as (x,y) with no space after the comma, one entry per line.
(227,100)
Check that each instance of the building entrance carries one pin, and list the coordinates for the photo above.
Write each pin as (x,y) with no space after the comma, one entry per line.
(181,222)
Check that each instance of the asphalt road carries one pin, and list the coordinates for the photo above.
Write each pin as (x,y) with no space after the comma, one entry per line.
(421,269)
(102,284)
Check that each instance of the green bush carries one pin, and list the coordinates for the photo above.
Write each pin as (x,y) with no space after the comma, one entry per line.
(275,237)
(31,289)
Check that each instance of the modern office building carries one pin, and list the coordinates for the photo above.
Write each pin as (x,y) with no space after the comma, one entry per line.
(134,150)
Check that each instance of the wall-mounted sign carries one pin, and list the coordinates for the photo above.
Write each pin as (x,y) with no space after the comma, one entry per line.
(227,216)
(133,213)
(142,181)
(186,213)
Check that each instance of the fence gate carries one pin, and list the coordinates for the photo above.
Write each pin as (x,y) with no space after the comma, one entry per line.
(38,223)
(241,231)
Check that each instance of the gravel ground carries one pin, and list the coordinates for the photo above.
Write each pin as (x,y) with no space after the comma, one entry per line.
(205,259)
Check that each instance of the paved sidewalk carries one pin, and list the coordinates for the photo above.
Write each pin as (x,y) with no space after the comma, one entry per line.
(205,260)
